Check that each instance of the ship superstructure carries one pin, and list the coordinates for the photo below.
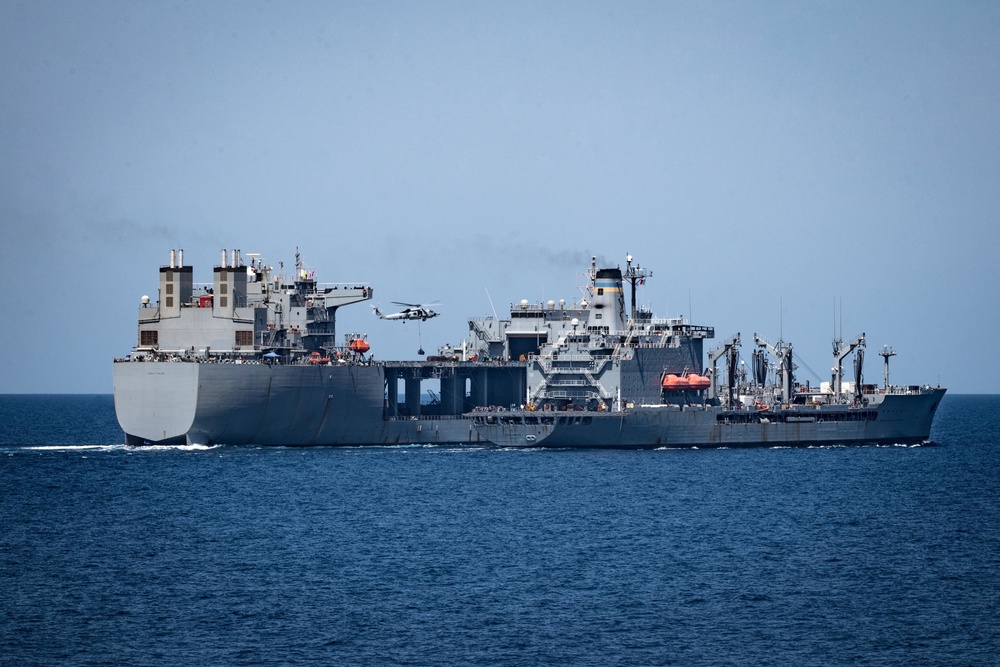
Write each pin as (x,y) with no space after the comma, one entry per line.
(248,307)
(602,359)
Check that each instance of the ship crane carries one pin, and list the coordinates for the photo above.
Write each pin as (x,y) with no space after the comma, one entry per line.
(730,350)
(783,353)
(841,352)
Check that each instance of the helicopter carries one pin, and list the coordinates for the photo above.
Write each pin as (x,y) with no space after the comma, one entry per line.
(413,311)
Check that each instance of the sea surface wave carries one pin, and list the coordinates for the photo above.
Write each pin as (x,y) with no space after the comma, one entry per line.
(485,556)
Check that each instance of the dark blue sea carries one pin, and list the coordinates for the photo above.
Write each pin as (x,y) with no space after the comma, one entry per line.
(111,555)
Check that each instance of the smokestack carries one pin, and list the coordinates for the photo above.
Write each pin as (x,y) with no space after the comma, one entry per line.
(223,262)
(171,258)
(180,258)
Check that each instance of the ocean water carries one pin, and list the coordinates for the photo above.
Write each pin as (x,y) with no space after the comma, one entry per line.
(446,556)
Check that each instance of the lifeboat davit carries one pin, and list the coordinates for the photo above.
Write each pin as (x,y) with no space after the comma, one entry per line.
(672,382)
(358,345)
(699,382)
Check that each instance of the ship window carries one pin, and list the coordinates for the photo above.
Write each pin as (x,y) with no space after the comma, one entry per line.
(170,275)
(170,288)
(599,315)
(223,302)
(223,288)
(148,338)
(600,291)
(244,338)
(170,302)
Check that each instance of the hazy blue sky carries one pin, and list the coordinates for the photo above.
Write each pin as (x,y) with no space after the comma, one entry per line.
(766,160)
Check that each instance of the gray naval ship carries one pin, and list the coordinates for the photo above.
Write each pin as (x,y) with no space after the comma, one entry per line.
(253,358)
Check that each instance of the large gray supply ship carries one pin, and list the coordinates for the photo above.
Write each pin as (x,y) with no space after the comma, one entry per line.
(253,358)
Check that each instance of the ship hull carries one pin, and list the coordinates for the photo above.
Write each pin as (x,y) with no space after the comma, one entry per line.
(895,419)
(260,404)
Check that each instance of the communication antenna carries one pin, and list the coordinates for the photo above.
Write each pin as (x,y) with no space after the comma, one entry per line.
(837,341)
(886,353)
(635,274)
(841,317)
(490,299)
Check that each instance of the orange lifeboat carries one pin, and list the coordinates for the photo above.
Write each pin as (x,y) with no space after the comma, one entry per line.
(315,358)
(358,345)
(698,382)
(672,382)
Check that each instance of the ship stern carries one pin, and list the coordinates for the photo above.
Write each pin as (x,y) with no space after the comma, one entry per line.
(155,402)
